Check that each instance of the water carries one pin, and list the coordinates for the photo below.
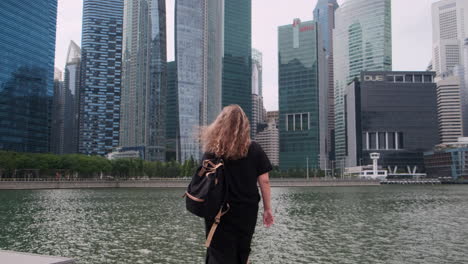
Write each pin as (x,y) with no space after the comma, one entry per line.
(383,224)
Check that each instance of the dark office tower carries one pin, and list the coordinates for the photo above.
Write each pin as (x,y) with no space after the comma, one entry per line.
(394,114)
(101,55)
(324,14)
(298,95)
(198,34)
(144,78)
(362,41)
(72,84)
(172,120)
(65,108)
(57,109)
(27,50)
(237,64)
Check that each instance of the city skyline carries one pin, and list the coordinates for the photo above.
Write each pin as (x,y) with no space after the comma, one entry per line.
(415,56)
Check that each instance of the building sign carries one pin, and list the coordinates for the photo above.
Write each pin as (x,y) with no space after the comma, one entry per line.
(306,28)
(374,78)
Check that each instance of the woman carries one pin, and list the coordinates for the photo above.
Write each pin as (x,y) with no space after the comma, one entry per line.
(245,164)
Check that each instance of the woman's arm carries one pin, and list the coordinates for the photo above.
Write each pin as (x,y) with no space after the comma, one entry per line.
(264,182)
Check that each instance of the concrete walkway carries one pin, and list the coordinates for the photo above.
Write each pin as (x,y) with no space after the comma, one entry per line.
(10,257)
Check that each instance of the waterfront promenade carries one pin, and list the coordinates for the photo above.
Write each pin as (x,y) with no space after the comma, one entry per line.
(19,184)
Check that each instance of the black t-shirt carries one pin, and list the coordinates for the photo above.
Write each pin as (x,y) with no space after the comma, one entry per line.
(243,174)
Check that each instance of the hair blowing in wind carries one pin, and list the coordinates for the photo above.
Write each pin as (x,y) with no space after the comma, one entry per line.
(229,135)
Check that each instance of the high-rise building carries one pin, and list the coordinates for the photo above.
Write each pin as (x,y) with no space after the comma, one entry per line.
(258,118)
(298,95)
(198,49)
(72,84)
(324,14)
(66,105)
(172,109)
(101,70)
(269,141)
(57,109)
(449,29)
(142,118)
(362,41)
(394,114)
(449,109)
(27,51)
(237,64)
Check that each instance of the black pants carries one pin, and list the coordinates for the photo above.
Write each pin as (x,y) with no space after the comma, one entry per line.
(231,241)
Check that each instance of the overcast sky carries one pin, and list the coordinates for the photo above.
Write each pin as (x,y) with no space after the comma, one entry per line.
(411,26)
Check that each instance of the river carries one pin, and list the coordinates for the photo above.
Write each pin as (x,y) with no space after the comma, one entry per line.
(381,224)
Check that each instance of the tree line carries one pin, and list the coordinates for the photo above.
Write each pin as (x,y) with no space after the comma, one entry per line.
(69,166)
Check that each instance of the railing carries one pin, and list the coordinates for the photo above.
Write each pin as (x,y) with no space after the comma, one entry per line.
(181,179)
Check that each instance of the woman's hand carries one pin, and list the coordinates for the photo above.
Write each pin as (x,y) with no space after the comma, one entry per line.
(267,218)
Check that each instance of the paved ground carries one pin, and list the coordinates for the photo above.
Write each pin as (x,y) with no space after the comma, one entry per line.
(11,257)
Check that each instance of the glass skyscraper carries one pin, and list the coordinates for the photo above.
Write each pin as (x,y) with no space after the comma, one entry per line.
(65,105)
(362,41)
(324,14)
(144,78)
(199,63)
(298,95)
(172,109)
(101,76)
(27,51)
(237,65)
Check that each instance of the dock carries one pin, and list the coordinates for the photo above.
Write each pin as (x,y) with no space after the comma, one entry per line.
(12,257)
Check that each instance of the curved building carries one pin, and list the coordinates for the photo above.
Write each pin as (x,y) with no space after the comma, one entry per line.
(362,41)
(142,123)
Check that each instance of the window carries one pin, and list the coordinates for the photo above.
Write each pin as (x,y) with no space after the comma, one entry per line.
(409,78)
(390,78)
(382,140)
(401,139)
(305,121)
(391,140)
(289,122)
(372,140)
(427,78)
(297,122)
(417,78)
(399,78)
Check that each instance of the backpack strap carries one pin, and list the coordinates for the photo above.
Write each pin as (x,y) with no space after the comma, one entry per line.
(216,222)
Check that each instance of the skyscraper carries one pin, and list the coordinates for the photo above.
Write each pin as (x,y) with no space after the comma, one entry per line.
(65,105)
(449,29)
(362,41)
(144,83)
(101,69)
(237,65)
(298,95)
(199,63)
(258,117)
(324,14)
(27,51)
(172,109)
(57,109)
(394,114)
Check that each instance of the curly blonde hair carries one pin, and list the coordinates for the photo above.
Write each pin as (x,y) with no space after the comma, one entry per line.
(229,135)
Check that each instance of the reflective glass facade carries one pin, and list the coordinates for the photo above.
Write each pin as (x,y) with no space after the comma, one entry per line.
(99,118)
(324,14)
(144,76)
(199,62)
(237,55)
(172,110)
(27,47)
(298,95)
(362,41)
(395,115)
(66,105)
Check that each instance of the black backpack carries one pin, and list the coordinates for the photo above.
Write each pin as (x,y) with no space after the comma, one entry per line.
(207,193)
